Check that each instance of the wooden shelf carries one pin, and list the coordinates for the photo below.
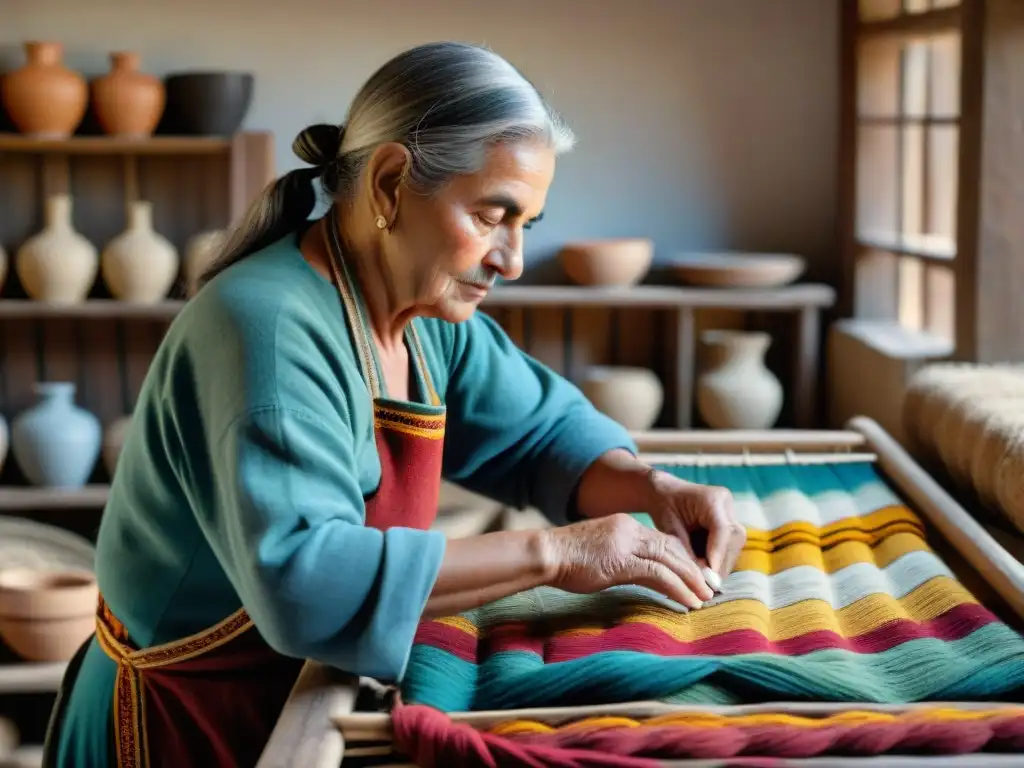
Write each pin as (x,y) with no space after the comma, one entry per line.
(31,677)
(664,297)
(25,499)
(644,296)
(98,309)
(113,145)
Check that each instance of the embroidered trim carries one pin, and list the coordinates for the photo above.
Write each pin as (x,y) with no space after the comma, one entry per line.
(129,686)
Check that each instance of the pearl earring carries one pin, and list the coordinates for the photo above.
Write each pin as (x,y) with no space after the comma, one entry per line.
(381,222)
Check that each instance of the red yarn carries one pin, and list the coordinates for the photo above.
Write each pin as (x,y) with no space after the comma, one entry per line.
(433,740)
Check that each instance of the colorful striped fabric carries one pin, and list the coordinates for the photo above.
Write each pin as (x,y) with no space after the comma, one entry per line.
(837,597)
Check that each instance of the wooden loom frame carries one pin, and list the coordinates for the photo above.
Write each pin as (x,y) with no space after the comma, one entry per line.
(318,717)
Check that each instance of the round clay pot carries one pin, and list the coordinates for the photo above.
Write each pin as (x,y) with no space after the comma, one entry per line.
(127,102)
(113,441)
(607,262)
(47,615)
(736,390)
(58,265)
(207,103)
(139,265)
(631,396)
(4,266)
(200,254)
(44,98)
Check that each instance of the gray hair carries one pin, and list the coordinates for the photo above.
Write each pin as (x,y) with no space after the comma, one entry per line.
(447,103)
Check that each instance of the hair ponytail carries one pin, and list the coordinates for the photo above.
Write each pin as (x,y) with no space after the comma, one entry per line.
(285,204)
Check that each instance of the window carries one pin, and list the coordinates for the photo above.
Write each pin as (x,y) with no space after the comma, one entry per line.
(902,148)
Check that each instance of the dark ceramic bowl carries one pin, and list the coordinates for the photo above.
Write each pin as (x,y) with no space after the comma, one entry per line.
(207,103)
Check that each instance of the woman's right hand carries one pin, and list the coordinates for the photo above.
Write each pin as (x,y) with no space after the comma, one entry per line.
(603,552)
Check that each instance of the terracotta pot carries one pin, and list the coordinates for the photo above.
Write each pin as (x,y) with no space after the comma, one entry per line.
(128,102)
(631,396)
(113,441)
(199,255)
(607,262)
(737,391)
(5,264)
(47,615)
(139,265)
(57,265)
(44,98)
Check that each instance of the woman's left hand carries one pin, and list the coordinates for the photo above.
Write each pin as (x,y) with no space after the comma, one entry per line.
(680,508)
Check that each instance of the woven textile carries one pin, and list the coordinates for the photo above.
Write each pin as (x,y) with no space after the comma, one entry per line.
(836,597)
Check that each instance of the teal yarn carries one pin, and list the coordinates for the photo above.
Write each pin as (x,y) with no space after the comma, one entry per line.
(974,667)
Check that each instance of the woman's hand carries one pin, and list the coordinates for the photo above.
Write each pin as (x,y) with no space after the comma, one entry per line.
(681,508)
(592,555)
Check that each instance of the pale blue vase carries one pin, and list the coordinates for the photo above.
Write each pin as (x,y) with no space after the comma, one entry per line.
(55,442)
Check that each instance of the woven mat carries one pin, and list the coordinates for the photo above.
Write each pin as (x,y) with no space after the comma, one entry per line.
(836,597)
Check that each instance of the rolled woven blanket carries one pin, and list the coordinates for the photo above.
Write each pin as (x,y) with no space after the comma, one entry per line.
(975,420)
(998,432)
(1009,480)
(938,412)
(929,381)
(949,428)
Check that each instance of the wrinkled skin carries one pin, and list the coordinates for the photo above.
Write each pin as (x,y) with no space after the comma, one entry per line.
(613,550)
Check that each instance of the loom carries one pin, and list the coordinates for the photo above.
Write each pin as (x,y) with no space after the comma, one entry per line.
(870,621)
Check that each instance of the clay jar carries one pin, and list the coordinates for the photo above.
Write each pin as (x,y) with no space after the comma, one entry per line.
(57,265)
(127,102)
(737,391)
(139,265)
(44,98)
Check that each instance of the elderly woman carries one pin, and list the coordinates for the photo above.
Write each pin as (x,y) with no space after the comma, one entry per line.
(274,500)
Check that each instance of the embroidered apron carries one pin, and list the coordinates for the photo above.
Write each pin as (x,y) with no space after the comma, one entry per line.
(213,699)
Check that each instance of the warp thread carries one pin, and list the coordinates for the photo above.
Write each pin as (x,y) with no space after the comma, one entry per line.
(431,738)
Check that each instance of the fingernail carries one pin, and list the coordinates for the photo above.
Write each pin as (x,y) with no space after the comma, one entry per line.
(712,578)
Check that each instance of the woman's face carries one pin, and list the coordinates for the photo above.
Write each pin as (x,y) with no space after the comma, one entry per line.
(448,248)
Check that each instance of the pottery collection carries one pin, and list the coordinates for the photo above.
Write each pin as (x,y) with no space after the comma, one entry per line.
(44,98)
(128,102)
(47,100)
(139,265)
(736,390)
(57,265)
(56,442)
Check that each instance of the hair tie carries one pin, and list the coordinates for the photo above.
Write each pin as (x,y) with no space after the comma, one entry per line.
(320,144)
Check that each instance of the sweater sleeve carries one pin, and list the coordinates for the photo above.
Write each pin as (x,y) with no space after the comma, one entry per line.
(517,431)
(317,582)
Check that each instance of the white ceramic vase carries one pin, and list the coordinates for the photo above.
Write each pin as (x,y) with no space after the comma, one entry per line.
(736,390)
(139,265)
(57,265)
(631,396)
(199,255)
